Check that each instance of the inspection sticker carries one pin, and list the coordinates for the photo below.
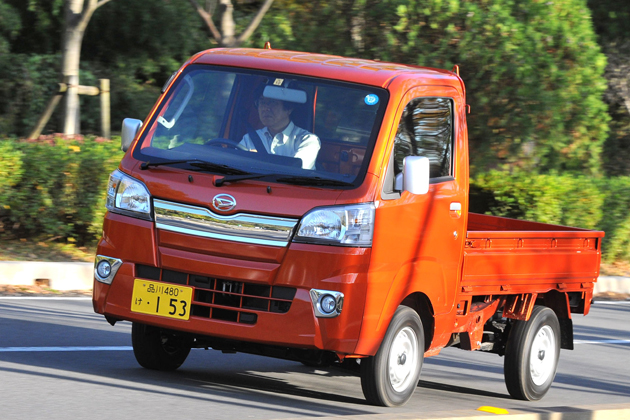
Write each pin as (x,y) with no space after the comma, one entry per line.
(371,99)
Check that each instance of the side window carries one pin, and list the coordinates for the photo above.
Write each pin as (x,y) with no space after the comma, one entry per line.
(426,129)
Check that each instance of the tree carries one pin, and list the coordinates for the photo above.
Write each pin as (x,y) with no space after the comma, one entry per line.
(10,25)
(618,72)
(610,19)
(227,36)
(77,16)
(533,69)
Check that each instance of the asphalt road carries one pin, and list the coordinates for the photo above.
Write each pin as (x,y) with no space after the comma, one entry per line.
(59,360)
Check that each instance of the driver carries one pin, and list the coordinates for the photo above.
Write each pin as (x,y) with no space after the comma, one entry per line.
(280,135)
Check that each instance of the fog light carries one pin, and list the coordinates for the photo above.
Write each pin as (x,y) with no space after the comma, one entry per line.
(104,269)
(328,304)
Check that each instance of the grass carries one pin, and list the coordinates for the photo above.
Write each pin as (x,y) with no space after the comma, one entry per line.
(24,250)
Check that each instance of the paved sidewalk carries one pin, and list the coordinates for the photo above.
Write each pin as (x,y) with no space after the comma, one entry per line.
(80,276)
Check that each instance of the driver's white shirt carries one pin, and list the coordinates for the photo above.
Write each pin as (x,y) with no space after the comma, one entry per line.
(293,141)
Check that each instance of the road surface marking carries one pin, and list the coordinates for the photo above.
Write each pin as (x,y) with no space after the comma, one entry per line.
(601,341)
(611,302)
(31,349)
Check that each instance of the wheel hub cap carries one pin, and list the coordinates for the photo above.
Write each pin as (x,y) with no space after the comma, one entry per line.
(542,356)
(403,359)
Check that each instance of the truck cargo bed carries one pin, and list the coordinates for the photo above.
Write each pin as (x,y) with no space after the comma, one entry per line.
(508,256)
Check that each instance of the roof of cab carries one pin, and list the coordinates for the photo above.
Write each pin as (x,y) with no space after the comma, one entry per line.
(356,70)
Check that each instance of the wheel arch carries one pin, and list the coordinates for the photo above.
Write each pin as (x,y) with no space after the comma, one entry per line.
(559,302)
(421,303)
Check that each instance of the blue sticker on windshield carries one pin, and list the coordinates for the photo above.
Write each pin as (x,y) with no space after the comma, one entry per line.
(371,99)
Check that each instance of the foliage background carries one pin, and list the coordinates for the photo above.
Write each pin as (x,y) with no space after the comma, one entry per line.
(549,138)
(55,188)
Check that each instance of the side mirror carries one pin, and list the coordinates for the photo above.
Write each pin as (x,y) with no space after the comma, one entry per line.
(415,175)
(130,127)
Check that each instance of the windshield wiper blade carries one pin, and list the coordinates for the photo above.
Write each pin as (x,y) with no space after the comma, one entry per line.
(313,180)
(218,167)
(236,177)
(200,165)
(148,164)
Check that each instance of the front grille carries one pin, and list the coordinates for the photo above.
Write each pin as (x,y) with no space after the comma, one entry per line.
(225,300)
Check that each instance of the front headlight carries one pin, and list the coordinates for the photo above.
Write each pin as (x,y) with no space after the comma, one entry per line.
(351,225)
(128,196)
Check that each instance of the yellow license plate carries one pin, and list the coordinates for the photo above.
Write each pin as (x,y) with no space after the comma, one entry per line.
(161,299)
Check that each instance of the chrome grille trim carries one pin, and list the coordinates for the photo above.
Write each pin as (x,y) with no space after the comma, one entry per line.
(241,227)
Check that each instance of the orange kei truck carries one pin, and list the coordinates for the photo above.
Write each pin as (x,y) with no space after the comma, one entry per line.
(315,208)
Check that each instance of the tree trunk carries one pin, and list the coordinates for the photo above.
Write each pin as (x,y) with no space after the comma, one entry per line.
(70,75)
(77,16)
(227,23)
(227,36)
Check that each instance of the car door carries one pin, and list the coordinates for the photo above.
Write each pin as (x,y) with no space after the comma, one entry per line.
(418,239)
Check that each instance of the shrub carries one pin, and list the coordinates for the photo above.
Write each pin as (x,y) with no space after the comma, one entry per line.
(58,189)
(10,174)
(616,220)
(580,201)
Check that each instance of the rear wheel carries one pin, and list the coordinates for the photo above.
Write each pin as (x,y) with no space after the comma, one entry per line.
(157,349)
(390,377)
(531,355)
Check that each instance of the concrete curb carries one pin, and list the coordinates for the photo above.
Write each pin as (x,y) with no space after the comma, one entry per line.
(80,276)
(601,412)
(56,275)
(612,284)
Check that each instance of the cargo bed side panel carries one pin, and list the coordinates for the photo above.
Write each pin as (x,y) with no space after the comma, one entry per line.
(507,256)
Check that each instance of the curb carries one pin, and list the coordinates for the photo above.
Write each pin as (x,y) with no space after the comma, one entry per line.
(80,276)
(615,284)
(56,275)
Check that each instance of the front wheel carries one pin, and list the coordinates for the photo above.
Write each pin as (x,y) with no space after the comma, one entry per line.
(531,355)
(157,349)
(390,377)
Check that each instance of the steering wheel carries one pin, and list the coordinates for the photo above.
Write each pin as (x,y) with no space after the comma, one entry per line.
(226,142)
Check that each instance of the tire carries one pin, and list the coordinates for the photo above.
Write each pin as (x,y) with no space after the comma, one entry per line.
(390,377)
(158,350)
(531,355)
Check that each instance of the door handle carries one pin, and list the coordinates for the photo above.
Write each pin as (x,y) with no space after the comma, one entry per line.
(455,210)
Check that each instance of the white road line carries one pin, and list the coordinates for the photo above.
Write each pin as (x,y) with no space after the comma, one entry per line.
(601,341)
(611,302)
(34,349)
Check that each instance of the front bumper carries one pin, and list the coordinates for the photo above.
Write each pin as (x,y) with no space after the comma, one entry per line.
(265,302)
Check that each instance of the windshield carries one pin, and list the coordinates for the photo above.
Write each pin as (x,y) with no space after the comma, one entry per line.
(278,127)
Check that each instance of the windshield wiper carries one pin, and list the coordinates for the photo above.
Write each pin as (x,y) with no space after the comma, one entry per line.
(283,178)
(240,177)
(313,180)
(148,164)
(200,165)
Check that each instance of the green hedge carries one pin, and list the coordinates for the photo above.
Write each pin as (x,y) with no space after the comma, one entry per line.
(570,200)
(55,188)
